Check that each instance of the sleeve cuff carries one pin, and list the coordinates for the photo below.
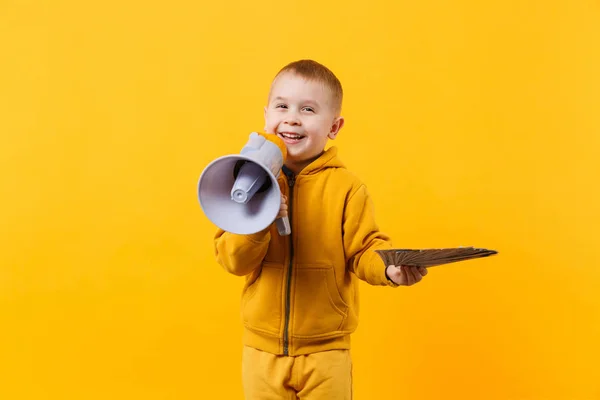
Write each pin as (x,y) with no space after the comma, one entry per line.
(259,237)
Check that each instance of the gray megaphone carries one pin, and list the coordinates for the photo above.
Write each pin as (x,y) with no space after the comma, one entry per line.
(239,193)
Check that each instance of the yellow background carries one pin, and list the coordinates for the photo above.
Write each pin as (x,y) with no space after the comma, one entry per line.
(472,123)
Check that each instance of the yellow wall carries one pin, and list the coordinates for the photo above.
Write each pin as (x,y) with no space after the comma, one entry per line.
(472,122)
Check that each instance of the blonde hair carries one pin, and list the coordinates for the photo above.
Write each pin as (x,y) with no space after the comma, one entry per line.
(314,71)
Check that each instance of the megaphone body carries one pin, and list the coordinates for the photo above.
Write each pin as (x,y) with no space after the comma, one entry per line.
(239,193)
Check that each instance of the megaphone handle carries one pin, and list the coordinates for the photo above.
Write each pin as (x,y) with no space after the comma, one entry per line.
(283,226)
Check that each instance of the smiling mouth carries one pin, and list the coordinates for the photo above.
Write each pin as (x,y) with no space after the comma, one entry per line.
(289,137)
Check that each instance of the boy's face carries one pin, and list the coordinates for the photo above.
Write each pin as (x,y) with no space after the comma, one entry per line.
(301,113)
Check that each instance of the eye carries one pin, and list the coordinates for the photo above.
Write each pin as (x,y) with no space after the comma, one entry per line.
(309,109)
(281,106)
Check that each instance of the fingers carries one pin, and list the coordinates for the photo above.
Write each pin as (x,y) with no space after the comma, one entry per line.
(409,277)
(416,274)
(283,208)
(406,275)
(412,275)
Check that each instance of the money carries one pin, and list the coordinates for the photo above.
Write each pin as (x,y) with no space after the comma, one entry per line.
(432,257)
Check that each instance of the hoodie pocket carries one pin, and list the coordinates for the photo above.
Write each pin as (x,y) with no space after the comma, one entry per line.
(318,306)
(261,301)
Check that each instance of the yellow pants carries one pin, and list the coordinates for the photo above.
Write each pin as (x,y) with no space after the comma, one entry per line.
(323,375)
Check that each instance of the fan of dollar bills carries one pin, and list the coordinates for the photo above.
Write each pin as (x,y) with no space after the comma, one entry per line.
(431,257)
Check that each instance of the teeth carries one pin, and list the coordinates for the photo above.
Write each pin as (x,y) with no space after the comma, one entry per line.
(291,135)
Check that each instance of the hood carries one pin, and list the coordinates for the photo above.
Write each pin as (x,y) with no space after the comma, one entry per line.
(328,159)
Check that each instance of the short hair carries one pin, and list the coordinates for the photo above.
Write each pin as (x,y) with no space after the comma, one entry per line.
(312,70)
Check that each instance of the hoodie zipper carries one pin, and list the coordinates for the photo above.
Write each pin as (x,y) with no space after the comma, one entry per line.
(291,180)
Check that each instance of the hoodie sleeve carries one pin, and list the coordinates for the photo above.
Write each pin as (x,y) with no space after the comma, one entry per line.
(241,254)
(362,237)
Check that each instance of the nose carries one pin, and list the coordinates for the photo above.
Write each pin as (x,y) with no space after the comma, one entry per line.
(291,118)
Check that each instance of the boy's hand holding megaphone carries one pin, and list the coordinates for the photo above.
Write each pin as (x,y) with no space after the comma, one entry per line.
(283,230)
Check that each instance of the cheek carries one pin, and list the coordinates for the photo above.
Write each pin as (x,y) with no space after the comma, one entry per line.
(270,124)
(320,128)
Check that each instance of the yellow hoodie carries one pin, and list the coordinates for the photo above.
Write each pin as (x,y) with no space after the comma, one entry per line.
(301,291)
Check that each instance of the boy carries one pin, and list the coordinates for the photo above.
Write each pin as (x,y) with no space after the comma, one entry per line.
(300,299)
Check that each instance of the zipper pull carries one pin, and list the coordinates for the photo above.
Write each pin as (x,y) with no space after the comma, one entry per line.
(289,175)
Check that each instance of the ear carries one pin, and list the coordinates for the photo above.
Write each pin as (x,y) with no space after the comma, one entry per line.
(265,116)
(338,123)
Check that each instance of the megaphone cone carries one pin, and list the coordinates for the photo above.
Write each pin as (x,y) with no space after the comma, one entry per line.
(239,193)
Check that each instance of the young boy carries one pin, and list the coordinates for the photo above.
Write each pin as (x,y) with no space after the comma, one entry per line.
(300,300)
